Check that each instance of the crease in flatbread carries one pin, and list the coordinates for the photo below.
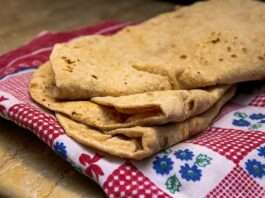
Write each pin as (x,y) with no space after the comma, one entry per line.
(141,142)
(146,109)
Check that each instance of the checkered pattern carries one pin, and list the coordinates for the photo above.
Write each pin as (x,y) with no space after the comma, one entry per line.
(30,61)
(258,101)
(233,144)
(43,125)
(17,86)
(237,184)
(127,181)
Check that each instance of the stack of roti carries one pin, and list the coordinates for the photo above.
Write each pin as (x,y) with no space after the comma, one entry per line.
(155,84)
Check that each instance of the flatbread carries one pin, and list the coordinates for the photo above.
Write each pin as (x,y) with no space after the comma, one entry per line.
(206,44)
(140,142)
(112,79)
(106,113)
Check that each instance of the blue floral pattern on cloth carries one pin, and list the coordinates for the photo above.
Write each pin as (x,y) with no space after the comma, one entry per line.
(184,154)
(60,149)
(190,173)
(262,121)
(255,168)
(163,165)
(241,122)
(257,116)
(190,169)
(261,151)
(251,121)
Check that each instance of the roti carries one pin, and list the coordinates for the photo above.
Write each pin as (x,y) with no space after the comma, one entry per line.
(140,142)
(184,49)
(145,109)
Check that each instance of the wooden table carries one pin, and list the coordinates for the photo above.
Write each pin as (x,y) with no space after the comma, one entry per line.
(27,166)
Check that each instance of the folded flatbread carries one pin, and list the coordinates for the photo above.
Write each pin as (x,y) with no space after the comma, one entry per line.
(155,84)
(206,44)
(130,126)
(105,113)
(140,142)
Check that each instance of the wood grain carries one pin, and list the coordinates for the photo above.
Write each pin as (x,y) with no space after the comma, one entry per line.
(22,155)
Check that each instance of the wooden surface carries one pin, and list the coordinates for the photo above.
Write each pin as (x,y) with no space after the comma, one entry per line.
(26,162)
(20,20)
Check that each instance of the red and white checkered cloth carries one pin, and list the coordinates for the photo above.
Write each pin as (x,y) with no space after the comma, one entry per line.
(226,160)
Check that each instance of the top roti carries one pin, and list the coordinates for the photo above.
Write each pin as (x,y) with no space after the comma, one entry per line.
(206,44)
